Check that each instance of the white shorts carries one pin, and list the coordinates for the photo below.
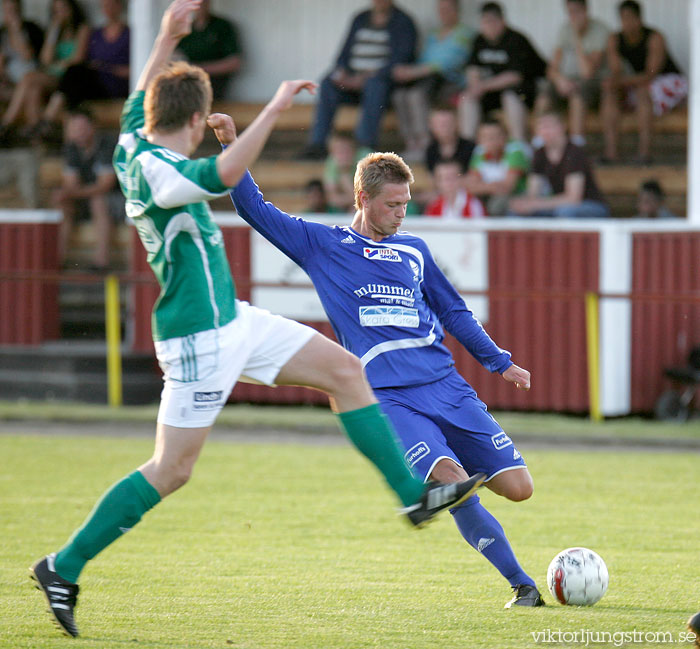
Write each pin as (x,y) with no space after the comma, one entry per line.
(201,369)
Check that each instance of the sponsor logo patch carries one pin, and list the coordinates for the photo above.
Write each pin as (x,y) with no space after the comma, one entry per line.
(207,400)
(381,254)
(387,293)
(208,396)
(416,452)
(501,440)
(388,316)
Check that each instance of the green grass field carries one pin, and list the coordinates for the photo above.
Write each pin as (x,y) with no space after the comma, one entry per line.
(320,419)
(290,546)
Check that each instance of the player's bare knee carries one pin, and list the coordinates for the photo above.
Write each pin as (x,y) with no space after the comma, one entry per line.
(448,471)
(171,476)
(522,489)
(519,494)
(346,373)
(181,477)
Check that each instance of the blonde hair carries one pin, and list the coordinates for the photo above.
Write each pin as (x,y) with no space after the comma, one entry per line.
(377,169)
(174,95)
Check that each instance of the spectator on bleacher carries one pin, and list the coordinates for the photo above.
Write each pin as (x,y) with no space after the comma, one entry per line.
(453,201)
(339,170)
(445,142)
(213,45)
(379,39)
(103,75)
(498,168)
(88,185)
(642,76)
(65,45)
(651,202)
(502,72)
(20,43)
(436,77)
(315,198)
(575,70)
(561,182)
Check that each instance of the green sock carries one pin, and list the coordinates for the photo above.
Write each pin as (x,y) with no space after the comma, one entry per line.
(372,433)
(119,509)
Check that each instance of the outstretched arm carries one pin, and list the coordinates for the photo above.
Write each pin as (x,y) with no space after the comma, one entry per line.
(244,150)
(294,236)
(175,24)
(444,300)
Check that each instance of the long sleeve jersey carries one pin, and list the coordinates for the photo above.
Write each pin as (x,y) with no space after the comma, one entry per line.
(387,301)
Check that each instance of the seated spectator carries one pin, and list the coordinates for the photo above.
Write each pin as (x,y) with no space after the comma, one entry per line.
(20,44)
(502,72)
(650,202)
(88,185)
(575,69)
(339,171)
(65,44)
(103,75)
(642,76)
(379,39)
(315,196)
(434,78)
(445,141)
(498,168)
(453,201)
(561,182)
(215,47)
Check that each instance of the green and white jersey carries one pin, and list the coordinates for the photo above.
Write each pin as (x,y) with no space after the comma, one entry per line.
(515,156)
(166,196)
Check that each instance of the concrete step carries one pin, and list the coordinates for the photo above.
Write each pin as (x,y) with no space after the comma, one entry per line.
(75,372)
(82,310)
(85,388)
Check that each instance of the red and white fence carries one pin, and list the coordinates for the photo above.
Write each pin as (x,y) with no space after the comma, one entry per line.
(525,279)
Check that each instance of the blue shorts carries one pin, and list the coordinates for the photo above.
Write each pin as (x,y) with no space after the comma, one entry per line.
(446,419)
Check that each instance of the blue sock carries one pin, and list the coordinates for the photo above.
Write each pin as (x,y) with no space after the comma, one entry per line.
(485,534)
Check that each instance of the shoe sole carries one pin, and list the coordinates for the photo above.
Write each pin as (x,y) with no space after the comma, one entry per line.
(510,605)
(54,619)
(477,483)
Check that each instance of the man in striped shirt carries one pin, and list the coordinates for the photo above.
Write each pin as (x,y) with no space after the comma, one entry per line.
(379,39)
(205,338)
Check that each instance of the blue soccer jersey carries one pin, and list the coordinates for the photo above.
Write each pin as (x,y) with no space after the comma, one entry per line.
(388,302)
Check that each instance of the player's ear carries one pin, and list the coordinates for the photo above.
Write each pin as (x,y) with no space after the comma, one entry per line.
(364,198)
(196,119)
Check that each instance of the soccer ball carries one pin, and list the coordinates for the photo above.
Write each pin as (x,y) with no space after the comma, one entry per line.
(577,576)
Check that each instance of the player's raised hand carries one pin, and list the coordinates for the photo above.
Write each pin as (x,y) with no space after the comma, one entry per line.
(177,19)
(288,89)
(519,376)
(223,127)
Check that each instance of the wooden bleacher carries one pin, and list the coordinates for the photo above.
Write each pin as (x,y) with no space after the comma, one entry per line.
(283,180)
(299,117)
